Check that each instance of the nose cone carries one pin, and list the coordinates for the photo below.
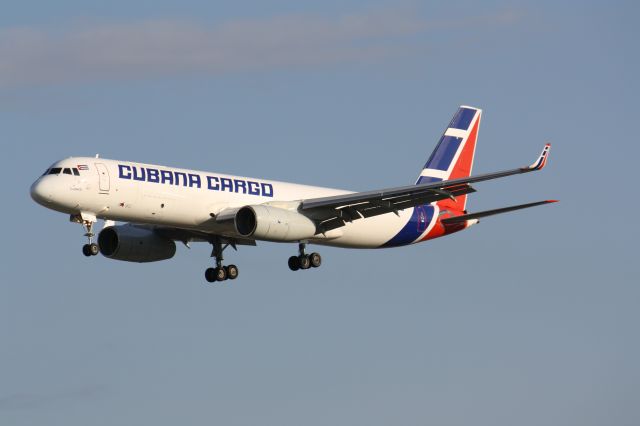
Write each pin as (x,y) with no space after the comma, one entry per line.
(42,191)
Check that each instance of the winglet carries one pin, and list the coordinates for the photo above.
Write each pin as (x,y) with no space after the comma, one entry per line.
(542,160)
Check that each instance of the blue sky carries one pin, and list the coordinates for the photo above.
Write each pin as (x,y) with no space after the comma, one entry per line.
(529,318)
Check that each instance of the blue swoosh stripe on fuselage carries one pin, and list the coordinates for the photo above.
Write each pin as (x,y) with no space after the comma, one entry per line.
(417,224)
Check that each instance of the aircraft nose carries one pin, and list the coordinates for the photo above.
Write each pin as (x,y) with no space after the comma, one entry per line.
(42,191)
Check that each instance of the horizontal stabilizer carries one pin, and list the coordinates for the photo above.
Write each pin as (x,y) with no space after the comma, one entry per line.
(485,213)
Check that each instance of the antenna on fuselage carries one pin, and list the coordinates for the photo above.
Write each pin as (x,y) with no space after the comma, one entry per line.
(97,155)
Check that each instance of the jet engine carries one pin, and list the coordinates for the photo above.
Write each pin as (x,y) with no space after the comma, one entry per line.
(135,244)
(273,224)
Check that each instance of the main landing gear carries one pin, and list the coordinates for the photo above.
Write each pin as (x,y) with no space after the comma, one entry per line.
(304,261)
(220,272)
(90,249)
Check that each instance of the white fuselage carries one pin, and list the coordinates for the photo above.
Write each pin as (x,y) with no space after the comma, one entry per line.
(188,199)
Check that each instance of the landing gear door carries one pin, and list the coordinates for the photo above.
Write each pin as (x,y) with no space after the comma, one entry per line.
(103,175)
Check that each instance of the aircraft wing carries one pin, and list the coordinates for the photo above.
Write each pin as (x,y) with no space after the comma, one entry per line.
(335,211)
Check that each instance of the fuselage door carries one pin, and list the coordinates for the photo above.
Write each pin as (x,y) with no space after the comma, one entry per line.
(103,175)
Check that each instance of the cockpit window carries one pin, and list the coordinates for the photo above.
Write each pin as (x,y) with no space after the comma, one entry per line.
(67,171)
(76,172)
(55,171)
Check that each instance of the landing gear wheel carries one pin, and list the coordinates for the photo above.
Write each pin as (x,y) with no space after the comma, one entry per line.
(210,275)
(87,221)
(94,249)
(217,274)
(232,272)
(294,263)
(305,262)
(315,260)
(220,273)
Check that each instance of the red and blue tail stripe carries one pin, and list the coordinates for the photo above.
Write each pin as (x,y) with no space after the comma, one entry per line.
(451,159)
(417,225)
(453,156)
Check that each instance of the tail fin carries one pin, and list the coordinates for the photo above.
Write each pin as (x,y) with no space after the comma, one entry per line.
(453,156)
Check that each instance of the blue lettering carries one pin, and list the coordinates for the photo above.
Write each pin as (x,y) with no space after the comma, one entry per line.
(240,184)
(184,178)
(153,175)
(267,189)
(141,176)
(124,171)
(194,180)
(211,185)
(226,185)
(166,176)
(254,188)
(214,183)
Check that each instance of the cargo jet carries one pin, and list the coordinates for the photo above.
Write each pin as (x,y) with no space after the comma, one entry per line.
(162,205)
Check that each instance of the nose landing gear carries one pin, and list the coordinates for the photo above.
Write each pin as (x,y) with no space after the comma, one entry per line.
(87,222)
(304,261)
(220,272)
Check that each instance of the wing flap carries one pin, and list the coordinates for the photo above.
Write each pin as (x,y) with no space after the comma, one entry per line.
(339,216)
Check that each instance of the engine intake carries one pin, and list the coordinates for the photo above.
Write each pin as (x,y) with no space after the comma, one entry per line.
(133,244)
(273,224)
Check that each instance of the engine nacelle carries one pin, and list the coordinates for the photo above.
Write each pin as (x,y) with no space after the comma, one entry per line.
(133,244)
(273,224)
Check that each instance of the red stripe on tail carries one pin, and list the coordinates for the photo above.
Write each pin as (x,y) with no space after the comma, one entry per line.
(462,169)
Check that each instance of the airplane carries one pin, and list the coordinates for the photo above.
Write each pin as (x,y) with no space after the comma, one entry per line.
(164,205)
